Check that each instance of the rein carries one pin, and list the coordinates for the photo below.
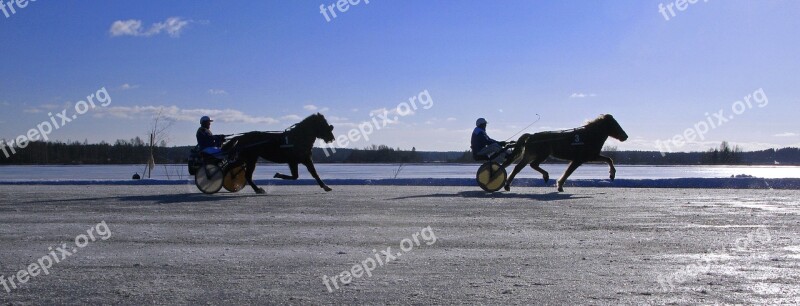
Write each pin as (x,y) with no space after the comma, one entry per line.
(537,120)
(239,148)
(287,130)
(585,127)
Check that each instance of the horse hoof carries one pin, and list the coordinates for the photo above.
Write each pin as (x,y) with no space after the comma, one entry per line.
(260,191)
(560,189)
(507,187)
(327,189)
(277,175)
(612,176)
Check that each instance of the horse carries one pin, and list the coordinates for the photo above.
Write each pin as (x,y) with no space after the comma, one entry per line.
(292,146)
(579,145)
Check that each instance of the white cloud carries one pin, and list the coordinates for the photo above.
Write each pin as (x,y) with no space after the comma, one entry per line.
(336,118)
(173,26)
(390,112)
(126,27)
(787,134)
(50,106)
(291,117)
(345,125)
(217,92)
(179,114)
(436,120)
(579,95)
(32,110)
(314,108)
(341,122)
(127,86)
(380,111)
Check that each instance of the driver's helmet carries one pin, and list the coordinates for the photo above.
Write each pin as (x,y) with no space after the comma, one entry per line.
(480,122)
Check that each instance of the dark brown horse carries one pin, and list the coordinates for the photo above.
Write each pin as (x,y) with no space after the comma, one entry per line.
(292,147)
(579,146)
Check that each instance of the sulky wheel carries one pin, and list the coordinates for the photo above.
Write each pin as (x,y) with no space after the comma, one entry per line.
(491,176)
(234,180)
(209,178)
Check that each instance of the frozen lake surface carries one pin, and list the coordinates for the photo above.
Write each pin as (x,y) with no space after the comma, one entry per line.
(388,171)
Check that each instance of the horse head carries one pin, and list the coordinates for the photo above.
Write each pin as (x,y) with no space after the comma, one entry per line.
(613,128)
(320,127)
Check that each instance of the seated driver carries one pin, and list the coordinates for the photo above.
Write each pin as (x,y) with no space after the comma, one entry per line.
(207,141)
(483,145)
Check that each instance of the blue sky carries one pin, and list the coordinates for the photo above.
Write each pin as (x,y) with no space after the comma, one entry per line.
(262,65)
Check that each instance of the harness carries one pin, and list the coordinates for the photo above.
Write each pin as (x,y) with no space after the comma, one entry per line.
(285,144)
(577,141)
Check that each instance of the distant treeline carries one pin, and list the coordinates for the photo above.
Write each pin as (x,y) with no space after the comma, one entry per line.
(135,151)
(723,155)
(375,154)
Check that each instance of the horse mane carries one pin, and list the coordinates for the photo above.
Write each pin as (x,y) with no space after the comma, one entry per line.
(305,121)
(596,121)
(313,117)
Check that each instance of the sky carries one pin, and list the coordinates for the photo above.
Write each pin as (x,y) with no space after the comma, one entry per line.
(545,65)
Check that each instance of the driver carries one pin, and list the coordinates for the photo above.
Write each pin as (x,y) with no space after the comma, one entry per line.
(482,144)
(208,142)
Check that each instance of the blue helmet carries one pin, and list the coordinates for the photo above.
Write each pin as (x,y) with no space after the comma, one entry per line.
(205,119)
(480,122)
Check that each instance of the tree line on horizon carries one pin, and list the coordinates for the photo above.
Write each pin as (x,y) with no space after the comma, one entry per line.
(136,151)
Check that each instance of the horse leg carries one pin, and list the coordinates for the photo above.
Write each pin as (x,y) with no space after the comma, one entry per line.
(572,166)
(525,160)
(612,171)
(294,176)
(535,165)
(310,166)
(250,167)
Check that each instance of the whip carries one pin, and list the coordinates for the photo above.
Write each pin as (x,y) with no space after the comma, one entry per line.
(537,120)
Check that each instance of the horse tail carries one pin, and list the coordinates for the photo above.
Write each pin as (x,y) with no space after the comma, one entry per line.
(519,148)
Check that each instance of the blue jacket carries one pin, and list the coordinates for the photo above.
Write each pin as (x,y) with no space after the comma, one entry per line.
(480,139)
(205,139)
